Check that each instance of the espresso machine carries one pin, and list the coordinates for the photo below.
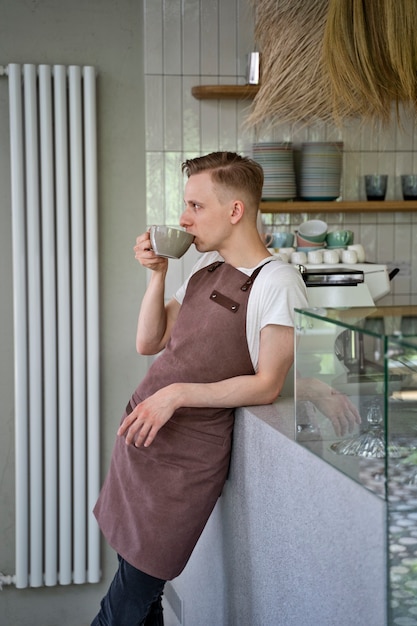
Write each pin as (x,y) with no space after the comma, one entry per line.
(360,285)
(344,285)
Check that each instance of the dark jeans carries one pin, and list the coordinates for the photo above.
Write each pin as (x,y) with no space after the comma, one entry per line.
(133,599)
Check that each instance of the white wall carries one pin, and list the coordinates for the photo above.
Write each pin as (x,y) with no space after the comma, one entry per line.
(190,42)
(108,35)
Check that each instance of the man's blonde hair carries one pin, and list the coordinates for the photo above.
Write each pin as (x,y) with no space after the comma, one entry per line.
(230,171)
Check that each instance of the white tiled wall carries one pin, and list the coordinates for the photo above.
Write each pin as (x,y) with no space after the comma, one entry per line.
(192,42)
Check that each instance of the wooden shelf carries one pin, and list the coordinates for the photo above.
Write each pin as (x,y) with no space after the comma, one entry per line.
(247,92)
(338,207)
(225,92)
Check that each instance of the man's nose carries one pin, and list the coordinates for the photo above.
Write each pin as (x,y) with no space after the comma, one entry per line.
(185,218)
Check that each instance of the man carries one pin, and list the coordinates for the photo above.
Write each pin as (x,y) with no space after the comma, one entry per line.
(228,341)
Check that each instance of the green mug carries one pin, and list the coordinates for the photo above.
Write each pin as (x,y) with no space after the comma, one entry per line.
(337,238)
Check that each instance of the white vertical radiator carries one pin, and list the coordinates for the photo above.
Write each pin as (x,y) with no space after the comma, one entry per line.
(56,332)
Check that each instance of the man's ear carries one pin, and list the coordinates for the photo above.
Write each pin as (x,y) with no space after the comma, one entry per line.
(237,211)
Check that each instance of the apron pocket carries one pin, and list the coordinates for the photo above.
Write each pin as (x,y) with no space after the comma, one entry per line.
(196,434)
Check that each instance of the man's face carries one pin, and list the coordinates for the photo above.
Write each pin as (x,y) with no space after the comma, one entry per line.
(205,215)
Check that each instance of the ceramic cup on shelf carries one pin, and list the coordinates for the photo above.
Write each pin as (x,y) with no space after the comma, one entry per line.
(267,239)
(336,238)
(277,239)
(305,243)
(360,251)
(298,258)
(287,251)
(349,256)
(282,239)
(313,230)
(315,257)
(339,252)
(330,257)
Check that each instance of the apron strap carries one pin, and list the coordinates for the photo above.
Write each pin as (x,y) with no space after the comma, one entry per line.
(249,281)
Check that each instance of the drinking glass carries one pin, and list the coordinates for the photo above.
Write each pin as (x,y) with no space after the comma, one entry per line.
(409,186)
(376,186)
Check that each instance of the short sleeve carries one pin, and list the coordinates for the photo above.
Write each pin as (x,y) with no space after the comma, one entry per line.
(282,291)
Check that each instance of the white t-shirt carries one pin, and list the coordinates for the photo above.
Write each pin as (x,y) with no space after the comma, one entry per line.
(277,290)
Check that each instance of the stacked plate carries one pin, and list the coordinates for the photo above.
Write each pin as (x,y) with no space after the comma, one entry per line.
(321,169)
(278,165)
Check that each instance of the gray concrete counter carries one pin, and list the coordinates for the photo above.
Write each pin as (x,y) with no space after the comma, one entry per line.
(291,542)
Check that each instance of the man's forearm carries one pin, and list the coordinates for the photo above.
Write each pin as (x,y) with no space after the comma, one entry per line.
(232,392)
(152,320)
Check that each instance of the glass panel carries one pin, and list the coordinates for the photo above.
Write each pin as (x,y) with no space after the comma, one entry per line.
(402,479)
(362,363)
(339,398)
(345,377)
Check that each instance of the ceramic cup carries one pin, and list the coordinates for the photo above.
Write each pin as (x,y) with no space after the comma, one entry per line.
(267,239)
(349,256)
(169,241)
(339,252)
(376,186)
(282,240)
(304,243)
(409,186)
(360,251)
(315,257)
(339,238)
(299,258)
(313,230)
(287,251)
(282,256)
(331,257)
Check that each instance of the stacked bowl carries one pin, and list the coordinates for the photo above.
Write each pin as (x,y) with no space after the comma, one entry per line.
(277,161)
(321,169)
(311,235)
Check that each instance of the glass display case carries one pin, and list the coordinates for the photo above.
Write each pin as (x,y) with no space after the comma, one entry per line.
(356,408)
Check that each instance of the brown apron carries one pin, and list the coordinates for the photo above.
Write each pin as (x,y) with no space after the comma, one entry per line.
(156,501)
